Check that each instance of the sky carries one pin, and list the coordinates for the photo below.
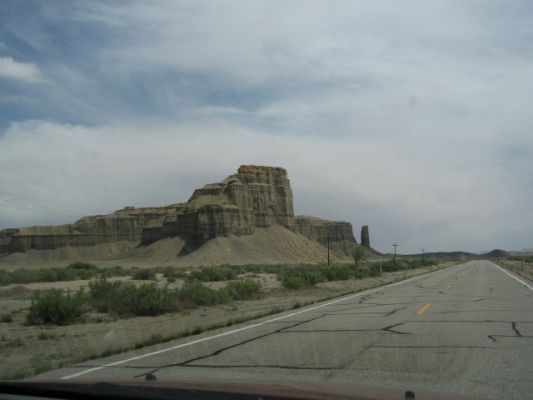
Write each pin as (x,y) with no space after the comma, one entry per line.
(413,117)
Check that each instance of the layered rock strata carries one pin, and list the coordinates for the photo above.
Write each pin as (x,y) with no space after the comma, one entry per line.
(126,224)
(254,197)
(337,235)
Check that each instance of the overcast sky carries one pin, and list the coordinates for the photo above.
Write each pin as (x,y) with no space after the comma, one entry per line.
(414,117)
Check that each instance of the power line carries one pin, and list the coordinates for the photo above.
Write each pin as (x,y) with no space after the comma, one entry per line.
(395,245)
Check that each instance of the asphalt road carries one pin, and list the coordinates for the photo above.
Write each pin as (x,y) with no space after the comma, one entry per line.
(465,330)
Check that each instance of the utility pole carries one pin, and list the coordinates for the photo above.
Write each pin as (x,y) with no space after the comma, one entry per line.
(423,254)
(395,245)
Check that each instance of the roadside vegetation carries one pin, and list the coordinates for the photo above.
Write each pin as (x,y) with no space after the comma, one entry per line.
(308,276)
(59,307)
(291,276)
(55,307)
(525,259)
(124,299)
(76,271)
(519,264)
(214,274)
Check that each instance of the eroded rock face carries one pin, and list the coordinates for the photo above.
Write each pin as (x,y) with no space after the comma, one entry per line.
(254,197)
(126,224)
(338,233)
(5,239)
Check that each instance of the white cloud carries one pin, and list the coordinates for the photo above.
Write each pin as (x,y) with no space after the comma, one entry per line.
(427,196)
(412,117)
(21,71)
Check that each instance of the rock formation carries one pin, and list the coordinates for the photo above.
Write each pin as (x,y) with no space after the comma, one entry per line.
(365,236)
(126,224)
(254,197)
(339,234)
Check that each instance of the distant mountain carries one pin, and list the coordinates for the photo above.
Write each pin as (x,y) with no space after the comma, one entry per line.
(496,253)
(458,255)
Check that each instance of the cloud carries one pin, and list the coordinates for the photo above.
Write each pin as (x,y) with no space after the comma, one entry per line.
(411,117)
(439,196)
(20,71)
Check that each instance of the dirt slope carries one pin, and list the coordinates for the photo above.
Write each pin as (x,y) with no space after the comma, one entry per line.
(271,245)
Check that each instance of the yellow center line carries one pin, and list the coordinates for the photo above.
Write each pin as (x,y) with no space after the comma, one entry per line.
(423,309)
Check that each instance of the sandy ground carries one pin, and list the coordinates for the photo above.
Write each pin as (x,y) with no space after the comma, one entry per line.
(27,350)
(271,245)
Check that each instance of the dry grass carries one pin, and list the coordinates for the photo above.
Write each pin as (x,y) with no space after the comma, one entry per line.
(16,292)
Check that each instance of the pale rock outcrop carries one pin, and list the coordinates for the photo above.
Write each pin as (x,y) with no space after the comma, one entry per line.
(338,233)
(126,224)
(254,197)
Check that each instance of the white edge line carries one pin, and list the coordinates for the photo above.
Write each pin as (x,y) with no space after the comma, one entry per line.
(512,276)
(244,328)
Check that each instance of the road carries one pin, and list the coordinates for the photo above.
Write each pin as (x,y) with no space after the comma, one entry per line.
(465,330)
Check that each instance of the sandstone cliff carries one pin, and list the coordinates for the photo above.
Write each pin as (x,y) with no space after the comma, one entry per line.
(126,224)
(254,197)
(338,234)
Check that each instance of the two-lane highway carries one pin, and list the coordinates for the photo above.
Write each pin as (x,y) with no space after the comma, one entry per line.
(466,330)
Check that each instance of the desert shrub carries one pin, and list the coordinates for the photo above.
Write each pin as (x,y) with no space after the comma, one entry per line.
(526,258)
(294,282)
(171,274)
(424,262)
(374,270)
(72,272)
(116,270)
(298,279)
(198,276)
(195,293)
(243,290)
(105,296)
(83,266)
(358,254)
(7,318)
(390,266)
(129,300)
(5,278)
(360,274)
(146,299)
(337,272)
(144,274)
(55,307)
(213,274)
